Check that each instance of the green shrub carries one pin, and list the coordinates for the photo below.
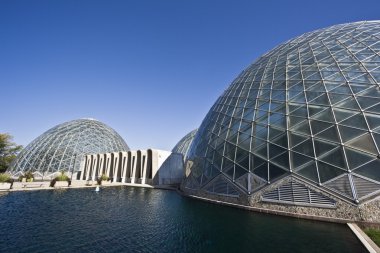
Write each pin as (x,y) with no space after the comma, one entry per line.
(28,176)
(374,234)
(62,177)
(5,178)
(103,177)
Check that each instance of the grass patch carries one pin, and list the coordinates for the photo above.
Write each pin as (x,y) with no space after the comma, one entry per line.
(374,234)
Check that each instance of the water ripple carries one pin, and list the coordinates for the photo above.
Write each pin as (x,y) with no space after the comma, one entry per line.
(122,219)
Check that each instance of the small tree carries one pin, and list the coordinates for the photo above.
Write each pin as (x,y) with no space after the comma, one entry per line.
(8,151)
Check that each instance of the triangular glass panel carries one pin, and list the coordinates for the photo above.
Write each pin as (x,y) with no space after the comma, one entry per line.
(229,172)
(293,121)
(282,160)
(241,154)
(342,89)
(366,102)
(330,134)
(342,114)
(370,170)
(373,120)
(296,139)
(325,115)
(243,181)
(262,171)
(275,172)
(341,185)
(349,103)
(299,111)
(302,128)
(364,143)
(310,172)
(273,133)
(328,172)
(255,182)
(257,161)
(315,109)
(321,100)
(355,158)
(305,148)
(229,150)
(262,151)
(321,147)
(319,126)
(300,98)
(278,120)
(358,87)
(257,143)
(313,95)
(374,109)
(227,164)
(275,150)
(364,187)
(299,160)
(331,85)
(349,133)
(239,171)
(335,157)
(281,140)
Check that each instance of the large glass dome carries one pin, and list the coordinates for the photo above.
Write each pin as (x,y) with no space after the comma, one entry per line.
(309,108)
(57,148)
(184,144)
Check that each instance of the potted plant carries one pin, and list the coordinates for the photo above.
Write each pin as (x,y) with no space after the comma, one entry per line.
(5,181)
(60,181)
(27,177)
(103,179)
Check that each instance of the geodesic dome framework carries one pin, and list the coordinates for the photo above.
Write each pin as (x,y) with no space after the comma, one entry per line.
(184,144)
(309,109)
(64,145)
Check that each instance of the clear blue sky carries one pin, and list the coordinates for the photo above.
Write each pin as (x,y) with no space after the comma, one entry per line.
(149,69)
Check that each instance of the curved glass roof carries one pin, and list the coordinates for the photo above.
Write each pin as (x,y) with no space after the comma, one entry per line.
(57,148)
(184,144)
(309,108)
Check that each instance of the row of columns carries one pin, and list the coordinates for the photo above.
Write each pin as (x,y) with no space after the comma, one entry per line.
(126,167)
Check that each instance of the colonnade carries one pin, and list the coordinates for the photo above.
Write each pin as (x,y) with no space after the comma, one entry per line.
(125,167)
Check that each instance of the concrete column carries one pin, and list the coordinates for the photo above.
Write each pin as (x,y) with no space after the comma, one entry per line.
(101,164)
(107,162)
(88,164)
(133,166)
(115,166)
(124,162)
(94,166)
(144,159)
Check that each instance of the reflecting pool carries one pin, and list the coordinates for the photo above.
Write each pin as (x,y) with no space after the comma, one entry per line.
(126,219)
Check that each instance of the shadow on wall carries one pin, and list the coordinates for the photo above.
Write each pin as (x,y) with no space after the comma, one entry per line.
(171,172)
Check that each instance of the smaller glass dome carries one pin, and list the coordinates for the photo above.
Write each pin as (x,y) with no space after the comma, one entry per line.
(184,144)
(63,146)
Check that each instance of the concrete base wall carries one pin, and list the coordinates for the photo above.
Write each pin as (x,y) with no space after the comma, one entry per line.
(343,212)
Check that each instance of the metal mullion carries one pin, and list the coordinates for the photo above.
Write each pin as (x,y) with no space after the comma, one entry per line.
(328,97)
(228,130)
(361,109)
(268,114)
(57,147)
(250,143)
(352,184)
(308,119)
(36,152)
(257,97)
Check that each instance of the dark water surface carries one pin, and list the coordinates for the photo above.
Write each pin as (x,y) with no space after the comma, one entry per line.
(126,219)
